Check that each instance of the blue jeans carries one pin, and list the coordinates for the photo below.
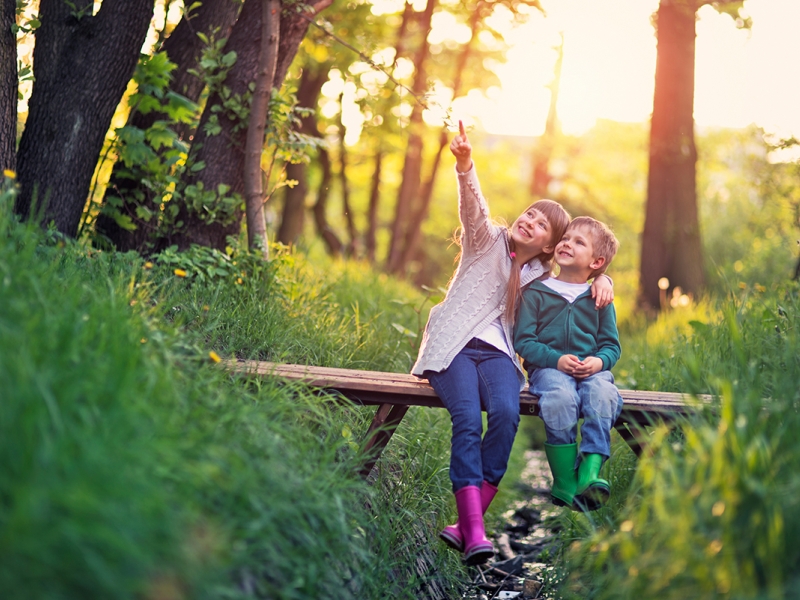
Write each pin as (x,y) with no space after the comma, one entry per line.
(480,377)
(563,400)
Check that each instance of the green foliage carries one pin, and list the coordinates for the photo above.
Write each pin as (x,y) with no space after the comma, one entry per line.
(212,206)
(715,510)
(154,157)
(136,467)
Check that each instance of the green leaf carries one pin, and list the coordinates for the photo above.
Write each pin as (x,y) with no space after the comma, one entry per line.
(159,136)
(124,221)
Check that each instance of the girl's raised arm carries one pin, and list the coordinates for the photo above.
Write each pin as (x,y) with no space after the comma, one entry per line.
(462,149)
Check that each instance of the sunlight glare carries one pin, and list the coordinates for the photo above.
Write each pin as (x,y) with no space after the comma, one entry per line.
(445,27)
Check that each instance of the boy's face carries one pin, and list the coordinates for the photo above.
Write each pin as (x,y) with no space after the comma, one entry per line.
(532,232)
(575,250)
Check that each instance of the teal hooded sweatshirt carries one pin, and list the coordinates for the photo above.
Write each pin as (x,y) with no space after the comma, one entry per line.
(548,327)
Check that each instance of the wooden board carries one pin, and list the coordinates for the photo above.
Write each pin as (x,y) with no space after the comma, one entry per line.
(375,387)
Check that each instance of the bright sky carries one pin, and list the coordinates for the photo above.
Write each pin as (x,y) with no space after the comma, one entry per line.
(741,76)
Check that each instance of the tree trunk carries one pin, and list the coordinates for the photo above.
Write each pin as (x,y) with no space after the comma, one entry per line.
(8,87)
(223,154)
(671,245)
(294,199)
(184,48)
(254,144)
(383,131)
(414,232)
(82,64)
(544,148)
(372,209)
(332,242)
(347,210)
(412,167)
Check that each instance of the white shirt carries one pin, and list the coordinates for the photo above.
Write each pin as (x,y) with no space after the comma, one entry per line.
(494,334)
(569,291)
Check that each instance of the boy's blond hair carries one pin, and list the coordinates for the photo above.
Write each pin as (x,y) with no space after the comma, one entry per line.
(604,243)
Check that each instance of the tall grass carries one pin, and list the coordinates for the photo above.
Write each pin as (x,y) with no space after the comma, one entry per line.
(133,466)
(715,512)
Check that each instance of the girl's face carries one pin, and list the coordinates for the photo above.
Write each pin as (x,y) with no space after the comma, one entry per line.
(532,233)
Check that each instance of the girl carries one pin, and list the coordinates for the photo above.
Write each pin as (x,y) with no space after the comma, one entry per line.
(466,352)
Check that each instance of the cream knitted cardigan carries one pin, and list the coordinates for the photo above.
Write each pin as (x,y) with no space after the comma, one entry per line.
(477,292)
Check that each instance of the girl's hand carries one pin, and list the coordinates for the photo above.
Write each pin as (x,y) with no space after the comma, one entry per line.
(462,150)
(602,291)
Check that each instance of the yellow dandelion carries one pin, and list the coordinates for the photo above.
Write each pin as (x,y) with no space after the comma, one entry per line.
(238,281)
(9,173)
(180,272)
(148,265)
(134,302)
(214,356)
(760,288)
(718,509)
(143,341)
(626,526)
(742,285)
(206,308)
(714,547)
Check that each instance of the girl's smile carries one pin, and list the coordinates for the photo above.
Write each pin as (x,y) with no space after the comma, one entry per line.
(532,234)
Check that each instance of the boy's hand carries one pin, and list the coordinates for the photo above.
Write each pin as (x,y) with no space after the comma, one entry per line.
(462,149)
(589,366)
(602,291)
(568,363)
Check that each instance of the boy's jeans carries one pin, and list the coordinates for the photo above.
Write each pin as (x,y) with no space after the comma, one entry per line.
(564,399)
(480,377)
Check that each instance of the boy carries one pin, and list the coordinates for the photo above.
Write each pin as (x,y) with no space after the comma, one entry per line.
(568,348)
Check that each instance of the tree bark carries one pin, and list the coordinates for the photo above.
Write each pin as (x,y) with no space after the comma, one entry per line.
(254,144)
(184,48)
(223,154)
(372,210)
(332,242)
(412,167)
(8,87)
(82,64)
(347,210)
(671,245)
(544,148)
(413,236)
(294,198)
(370,235)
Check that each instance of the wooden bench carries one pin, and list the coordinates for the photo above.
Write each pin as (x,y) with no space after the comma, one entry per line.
(394,393)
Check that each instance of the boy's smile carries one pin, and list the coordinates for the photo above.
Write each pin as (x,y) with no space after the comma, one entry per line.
(575,254)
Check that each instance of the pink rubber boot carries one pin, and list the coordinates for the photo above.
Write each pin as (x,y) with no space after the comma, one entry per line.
(451,535)
(477,549)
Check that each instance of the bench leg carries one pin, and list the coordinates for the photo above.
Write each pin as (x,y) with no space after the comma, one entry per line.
(386,420)
(634,435)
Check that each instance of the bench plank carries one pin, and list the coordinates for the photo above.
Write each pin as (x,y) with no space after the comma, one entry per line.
(394,393)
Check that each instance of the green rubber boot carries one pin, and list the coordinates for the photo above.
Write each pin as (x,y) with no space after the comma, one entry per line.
(592,491)
(561,458)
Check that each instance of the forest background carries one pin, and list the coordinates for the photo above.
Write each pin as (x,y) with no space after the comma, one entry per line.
(140,168)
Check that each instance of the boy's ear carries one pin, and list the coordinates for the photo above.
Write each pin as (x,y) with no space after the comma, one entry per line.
(598,262)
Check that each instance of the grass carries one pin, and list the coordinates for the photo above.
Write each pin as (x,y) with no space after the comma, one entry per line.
(135,467)
(711,512)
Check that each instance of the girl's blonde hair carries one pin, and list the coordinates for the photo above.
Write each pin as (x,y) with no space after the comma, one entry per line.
(559,220)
